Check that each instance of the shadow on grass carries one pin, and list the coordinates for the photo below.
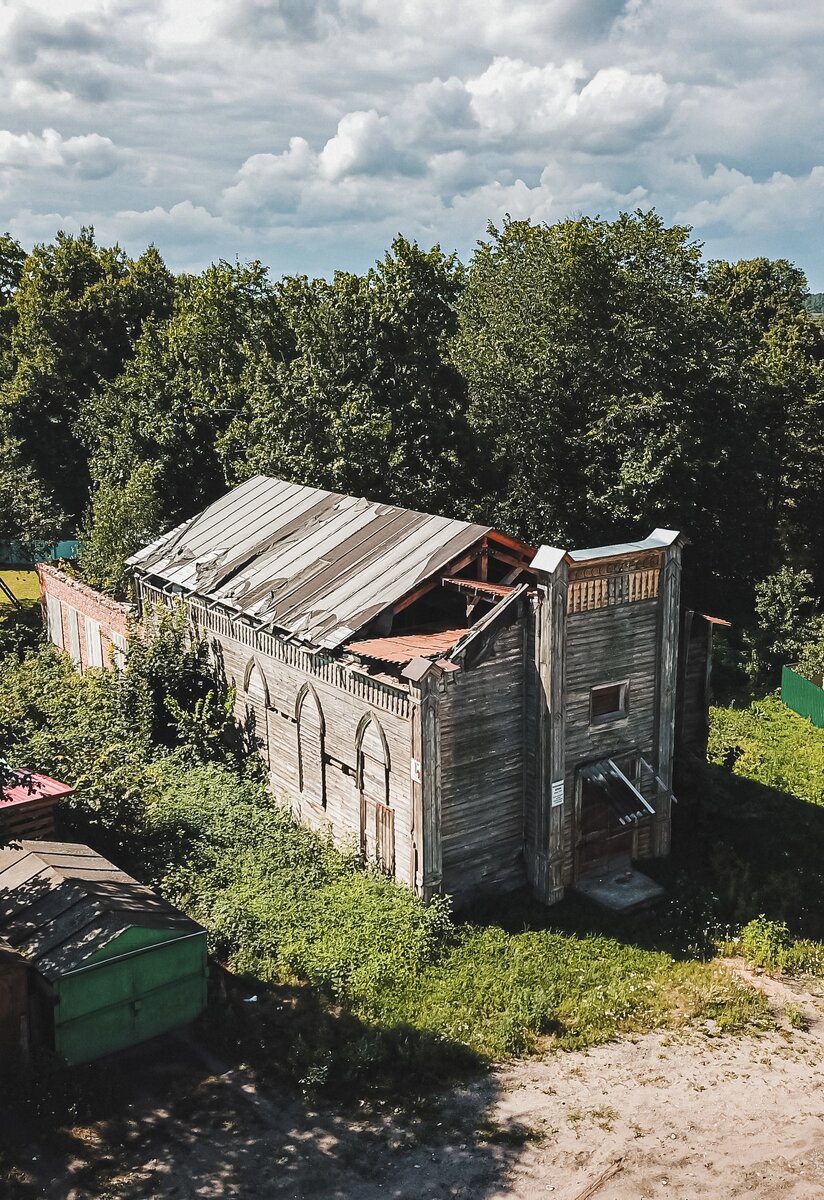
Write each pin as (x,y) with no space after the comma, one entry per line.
(739,849)
(283,1096)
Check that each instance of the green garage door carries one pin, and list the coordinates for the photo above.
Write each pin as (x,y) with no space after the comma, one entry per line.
(122,1001)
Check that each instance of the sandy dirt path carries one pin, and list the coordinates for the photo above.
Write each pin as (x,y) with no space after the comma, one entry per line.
(678,1116)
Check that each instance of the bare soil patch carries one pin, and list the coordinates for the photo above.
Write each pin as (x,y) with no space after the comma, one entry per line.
(686,1115)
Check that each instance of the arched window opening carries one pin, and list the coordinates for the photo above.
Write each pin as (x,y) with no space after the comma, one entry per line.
(377,818)
(311,735)
(257,703)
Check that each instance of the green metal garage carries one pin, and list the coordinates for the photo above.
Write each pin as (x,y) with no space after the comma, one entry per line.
(115,963)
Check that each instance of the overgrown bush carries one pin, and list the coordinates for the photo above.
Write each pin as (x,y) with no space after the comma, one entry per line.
(770,745)
(769,944)
(159,789)
(765,943)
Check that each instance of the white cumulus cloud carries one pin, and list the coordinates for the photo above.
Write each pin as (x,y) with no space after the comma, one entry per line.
(308,132)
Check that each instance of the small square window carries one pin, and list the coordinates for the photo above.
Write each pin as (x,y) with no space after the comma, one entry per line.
(607,703)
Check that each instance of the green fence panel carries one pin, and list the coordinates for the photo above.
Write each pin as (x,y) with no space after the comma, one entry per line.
(803,697)
(26,554)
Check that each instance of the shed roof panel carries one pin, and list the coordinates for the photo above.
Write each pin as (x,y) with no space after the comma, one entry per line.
(61,902)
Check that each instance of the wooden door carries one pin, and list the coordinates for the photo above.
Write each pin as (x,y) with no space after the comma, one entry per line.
(604,845)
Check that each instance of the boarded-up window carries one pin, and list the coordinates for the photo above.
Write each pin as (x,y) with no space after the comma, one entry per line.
(608,703)
(55,619)
(119,648)
(377,817)
(73,628)
(311,730)
(94,649)
(257,702)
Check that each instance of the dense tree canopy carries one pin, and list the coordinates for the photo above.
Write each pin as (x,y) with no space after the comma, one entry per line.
(575,383)
(76,313)
(157,428)
(359,396)
(587,350)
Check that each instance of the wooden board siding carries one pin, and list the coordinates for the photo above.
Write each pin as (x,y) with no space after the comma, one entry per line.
(692,724)
(669,609)
(608,645)
(279,671)
(34,819)
(481,711)
(532,701)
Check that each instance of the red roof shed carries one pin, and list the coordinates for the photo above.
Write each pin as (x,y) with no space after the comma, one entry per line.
(27,807)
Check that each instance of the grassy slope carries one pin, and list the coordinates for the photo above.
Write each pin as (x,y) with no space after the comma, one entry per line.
(765,813)
(288,909)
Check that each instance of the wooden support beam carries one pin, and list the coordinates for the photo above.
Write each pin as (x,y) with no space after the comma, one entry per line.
(502,539)
(505,557)
(434,581)
(668,621)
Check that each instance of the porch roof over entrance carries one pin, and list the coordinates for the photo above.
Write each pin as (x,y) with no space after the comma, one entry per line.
(617,791)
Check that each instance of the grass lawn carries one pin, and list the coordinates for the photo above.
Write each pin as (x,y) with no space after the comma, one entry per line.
(24,584)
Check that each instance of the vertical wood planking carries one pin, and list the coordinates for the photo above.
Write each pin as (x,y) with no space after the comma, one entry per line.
(345,697)
(669,606)
(482,767)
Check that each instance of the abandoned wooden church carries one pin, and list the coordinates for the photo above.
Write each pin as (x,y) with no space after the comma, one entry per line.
(478,713)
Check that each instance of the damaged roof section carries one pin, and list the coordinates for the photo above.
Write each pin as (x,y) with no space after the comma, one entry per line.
(313,564)
(402,648)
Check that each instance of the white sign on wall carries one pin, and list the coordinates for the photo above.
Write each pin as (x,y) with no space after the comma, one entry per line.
(415,770)
(557,793)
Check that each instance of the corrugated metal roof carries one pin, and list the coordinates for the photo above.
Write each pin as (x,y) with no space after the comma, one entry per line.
(314,564)
(402,648)
(60,903)
(33,786)
(659,539)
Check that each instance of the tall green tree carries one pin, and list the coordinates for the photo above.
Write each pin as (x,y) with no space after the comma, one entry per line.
(617,383)
(585,345)
(777,371)
(12,258)
(359,395)
(171,407)
(78,310)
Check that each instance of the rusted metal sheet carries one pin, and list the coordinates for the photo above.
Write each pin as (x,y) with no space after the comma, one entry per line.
(402,648)
(313,564)
(33,786)
(498,590)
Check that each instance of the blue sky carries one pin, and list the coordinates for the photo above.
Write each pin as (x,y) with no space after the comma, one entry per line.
(307,133)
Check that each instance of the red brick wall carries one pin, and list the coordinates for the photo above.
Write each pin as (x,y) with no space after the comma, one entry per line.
(76,597)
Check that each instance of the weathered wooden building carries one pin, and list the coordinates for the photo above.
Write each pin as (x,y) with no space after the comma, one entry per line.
(478,713)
